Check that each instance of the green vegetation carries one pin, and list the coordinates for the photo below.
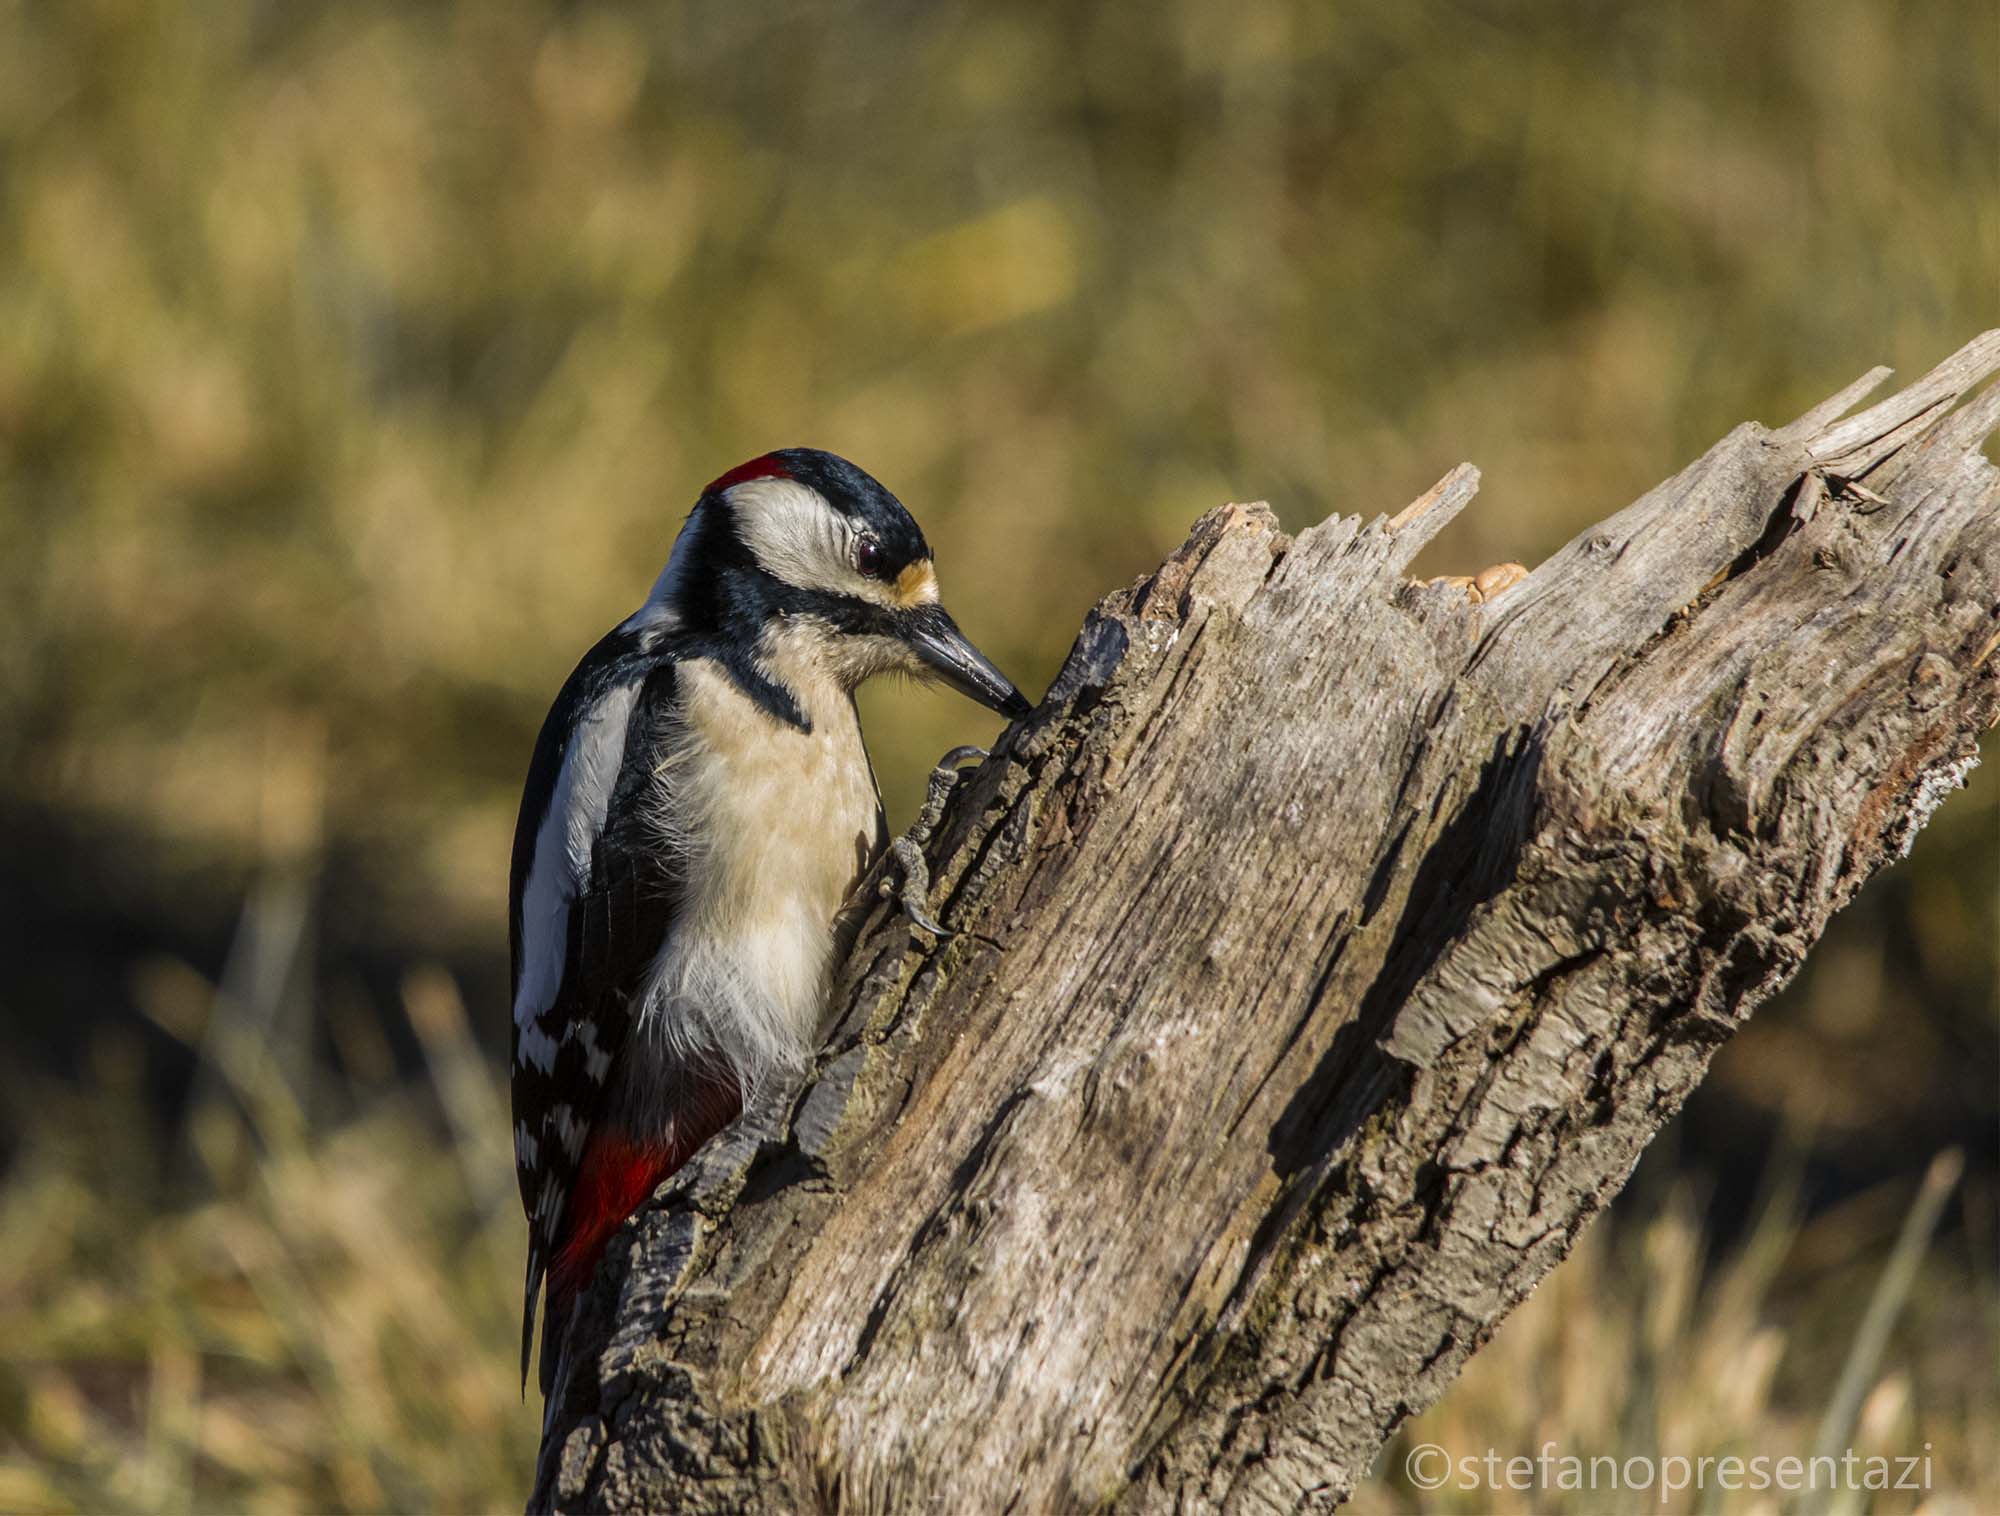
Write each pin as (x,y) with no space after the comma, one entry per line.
(358,361)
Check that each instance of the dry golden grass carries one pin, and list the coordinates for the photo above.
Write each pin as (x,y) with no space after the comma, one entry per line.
(1645,1344)
(271,1314)
(283,1313)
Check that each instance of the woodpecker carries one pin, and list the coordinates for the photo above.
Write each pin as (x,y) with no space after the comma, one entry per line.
(697,811)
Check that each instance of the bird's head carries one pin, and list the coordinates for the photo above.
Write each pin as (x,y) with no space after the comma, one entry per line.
(800,546)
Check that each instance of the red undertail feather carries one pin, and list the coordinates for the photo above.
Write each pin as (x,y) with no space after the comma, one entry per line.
(616,1178)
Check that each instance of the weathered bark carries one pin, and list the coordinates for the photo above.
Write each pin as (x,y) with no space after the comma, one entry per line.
(1331,945)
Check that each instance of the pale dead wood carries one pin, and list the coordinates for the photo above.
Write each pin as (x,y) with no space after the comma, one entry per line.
(1330,948)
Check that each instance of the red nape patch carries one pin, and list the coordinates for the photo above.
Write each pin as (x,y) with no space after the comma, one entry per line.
(769,466)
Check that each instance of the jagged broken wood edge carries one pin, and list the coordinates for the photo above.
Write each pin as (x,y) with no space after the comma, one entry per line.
(1495,1095)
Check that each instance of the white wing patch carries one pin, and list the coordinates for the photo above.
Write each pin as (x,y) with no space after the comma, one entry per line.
(535,1047)
(569,1131)
(561,865)
(596,1061)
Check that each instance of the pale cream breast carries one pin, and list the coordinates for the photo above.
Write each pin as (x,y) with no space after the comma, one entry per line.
(774,824)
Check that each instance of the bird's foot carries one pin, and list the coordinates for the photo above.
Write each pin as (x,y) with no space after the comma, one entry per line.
(907,853)
(937,792)
(913,894)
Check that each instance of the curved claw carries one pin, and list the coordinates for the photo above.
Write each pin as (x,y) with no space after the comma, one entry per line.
(958,757)
(915,889)
(920,917)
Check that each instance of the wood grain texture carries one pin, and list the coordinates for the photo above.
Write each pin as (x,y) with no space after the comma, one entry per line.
(1330,947)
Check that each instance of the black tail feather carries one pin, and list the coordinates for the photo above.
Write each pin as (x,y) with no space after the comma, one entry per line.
(555,1322)
(530,1295)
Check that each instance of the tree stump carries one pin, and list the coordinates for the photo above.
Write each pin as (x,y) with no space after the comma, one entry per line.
(1328,948)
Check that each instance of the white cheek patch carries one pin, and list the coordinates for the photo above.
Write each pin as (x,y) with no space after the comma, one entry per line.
(800,538)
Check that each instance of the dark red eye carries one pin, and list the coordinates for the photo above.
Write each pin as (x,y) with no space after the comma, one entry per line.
(868,557)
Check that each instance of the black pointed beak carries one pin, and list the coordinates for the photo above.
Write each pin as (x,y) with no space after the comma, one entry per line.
(936,639)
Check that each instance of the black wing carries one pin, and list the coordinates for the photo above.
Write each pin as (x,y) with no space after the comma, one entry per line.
(614,927)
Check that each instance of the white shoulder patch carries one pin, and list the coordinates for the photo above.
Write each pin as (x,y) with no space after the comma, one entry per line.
(561,862)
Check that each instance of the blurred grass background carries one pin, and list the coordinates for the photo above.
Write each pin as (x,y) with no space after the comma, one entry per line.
(358,362)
